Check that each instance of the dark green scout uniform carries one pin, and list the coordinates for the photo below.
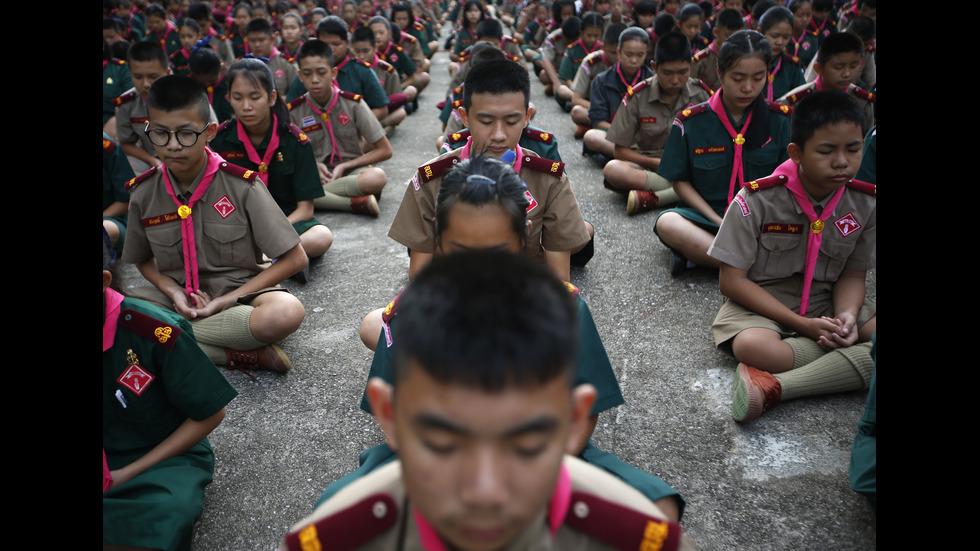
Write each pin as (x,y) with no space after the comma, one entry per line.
(354,76)
(116,171)
(700,151)
(592,367)
(115,81)
(170,39)
(292,173)
(785,74)
(398,58)
(574,55)
(154,376)
(464,39)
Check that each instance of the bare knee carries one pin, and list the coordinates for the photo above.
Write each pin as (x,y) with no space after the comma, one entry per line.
(316,240)
(372,180)
(371,328)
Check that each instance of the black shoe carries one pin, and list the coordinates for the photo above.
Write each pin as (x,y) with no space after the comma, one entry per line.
(601,159)
(303,275)
(678,264)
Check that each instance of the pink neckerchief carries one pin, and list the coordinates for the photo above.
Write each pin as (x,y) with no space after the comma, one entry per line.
(629,85)
(738,174)
(342,63)
(464,154)
(163,39)
(186,53)
(596,46)
(817,28)
(111,321)
(557,509)
(253,155)
(813,238)
(191,282)
(818,83)
(798,42)
(325,117)
(772,77)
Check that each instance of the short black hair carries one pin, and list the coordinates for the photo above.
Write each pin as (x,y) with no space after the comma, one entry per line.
(174,92)
(644,7)
(571,28)
(362,33)
(592,19)
(199,11)
(663,24)
(839,43)
(155,10)
(730,19)
(820,109)
(318,48)
(332,24)
(611,35)
(497,77)
(863,26)
(149,50)
(258,25)
(489,28)
(673,46)
(204,61)
(488,320)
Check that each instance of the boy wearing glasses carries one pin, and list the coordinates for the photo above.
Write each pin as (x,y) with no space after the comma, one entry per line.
(199,228)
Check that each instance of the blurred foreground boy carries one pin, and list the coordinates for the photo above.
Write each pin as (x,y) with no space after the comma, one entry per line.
(482,412)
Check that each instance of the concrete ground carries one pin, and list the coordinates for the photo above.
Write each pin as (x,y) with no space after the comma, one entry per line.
(777,483)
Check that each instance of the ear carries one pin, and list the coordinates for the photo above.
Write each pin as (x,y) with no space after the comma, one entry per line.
(583,397)
(106,279)
(272,97)
(381,396)
(530,113)
(334,72)
(212,131)
(464,117)
(818,68)
(795,152)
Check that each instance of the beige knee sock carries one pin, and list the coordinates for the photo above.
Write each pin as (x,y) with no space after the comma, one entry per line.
(663,188)
(227,329)
(337,194)
(840,370)
(805,350)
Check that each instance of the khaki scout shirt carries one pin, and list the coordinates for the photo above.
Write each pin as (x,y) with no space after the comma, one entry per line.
(351,119)
(644,121)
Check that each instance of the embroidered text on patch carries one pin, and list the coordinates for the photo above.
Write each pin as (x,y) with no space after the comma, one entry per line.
(135,378)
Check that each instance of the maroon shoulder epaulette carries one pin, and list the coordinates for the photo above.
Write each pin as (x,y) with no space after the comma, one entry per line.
(592,58)
(108,145)
(621,527)
(863,94)
(296,102)
(438,168)
(634,90)
(408,37)
(866,187)
(539,135)
(457,137)
(458,90)
(508,38)
(702,54)
(766,183)
(236,170)
(115,61)
(513,58)
(361,61)
(463,59)
(125,98)
(222,126)
(298,134)
(571,289)
(797,96)
(418,26)
(784,109)
(349,528)
(457,103)
(390,310)
(706,87)
(547,166)
(689,112)
(150,328)
(140,177)
(386,66)
(350,95)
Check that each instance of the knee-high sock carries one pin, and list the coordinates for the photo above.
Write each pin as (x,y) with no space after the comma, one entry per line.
(227,329)
(840,370)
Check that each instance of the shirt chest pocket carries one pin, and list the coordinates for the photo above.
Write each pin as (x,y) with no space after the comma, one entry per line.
(834,252)
(165,245)
(785,254)
(226,244)
(760,163)
(653,134)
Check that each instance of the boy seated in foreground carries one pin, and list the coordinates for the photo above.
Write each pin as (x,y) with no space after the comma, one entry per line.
(482,413)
